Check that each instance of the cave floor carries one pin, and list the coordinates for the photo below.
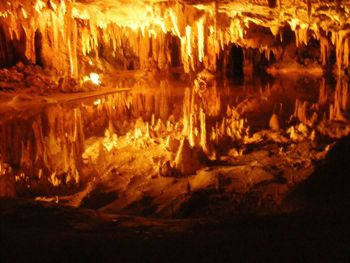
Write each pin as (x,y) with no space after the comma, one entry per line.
(33,231)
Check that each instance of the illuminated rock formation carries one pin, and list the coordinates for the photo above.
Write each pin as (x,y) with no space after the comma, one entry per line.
(71,36)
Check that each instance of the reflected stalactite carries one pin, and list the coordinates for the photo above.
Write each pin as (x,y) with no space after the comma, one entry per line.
(323,94)
(340,107)
(66,145)
(211,100)
(50,148)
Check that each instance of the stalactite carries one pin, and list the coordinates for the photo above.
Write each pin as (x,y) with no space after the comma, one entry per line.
(341,100)
(300,111)
(144,50)
(323,95)
(212,50)
(340,41)
(30,49)
(346,52)
(41,156)
(186,111)
(161,57)
(200,34)
(203,133)
(309,9)
(324,49)
(71,37)
(163,98)
(301,34)
(186,50)
(211,99)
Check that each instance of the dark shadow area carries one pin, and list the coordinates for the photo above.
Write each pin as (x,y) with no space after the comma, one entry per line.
(174,47)
(98,198)
(12,51)
(288,35)
(38,48)
(260,63)
(19,48)
(130,66)
(5,53)
(235,65)
(52,233)
(220,63)
(272,3)
(310,53)
(329,185)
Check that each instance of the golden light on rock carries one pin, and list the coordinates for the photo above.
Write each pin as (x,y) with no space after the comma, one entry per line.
(95,78)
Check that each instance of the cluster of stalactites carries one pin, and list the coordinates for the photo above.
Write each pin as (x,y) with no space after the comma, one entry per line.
(58,29)
(336,103)
(70,30)
(337,36)
(200,40)
(50,149)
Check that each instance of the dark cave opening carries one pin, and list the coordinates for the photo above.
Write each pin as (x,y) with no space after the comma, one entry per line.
(38,48)
(175,52)
(235,64)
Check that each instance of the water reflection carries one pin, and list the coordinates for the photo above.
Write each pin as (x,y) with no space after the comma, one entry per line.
(46,146)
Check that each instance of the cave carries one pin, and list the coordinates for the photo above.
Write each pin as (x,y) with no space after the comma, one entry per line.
(174,131)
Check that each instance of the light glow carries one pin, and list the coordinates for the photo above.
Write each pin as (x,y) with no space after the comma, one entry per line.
(95,78)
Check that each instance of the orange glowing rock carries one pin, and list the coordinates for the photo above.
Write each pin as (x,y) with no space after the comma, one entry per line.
(274,123)
(7,186)
(187,159)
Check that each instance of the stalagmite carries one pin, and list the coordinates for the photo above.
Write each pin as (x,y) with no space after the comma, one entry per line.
(274,122)
(203,134)
(300,111)
(187,159)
